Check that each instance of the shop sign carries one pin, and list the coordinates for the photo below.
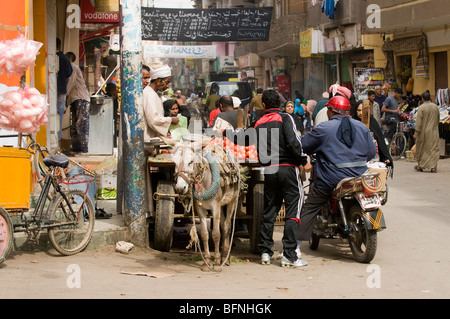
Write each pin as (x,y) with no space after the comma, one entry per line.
(180,51)
(305,43)
(330,45)
(88,13)
(189,63)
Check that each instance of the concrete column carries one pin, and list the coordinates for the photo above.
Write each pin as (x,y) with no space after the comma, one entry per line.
(132,125)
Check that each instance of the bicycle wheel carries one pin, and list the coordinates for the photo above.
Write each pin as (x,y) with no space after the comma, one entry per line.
(6,234)
(397,146)
(76,230)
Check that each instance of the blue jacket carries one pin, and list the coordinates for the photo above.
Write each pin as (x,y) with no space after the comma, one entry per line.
(334,159)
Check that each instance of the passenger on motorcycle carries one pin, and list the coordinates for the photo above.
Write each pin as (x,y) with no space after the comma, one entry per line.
(342,147)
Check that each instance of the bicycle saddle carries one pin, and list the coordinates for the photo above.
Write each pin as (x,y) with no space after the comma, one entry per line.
(56,160)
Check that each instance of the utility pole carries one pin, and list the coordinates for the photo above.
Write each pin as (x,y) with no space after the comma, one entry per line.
(131,116)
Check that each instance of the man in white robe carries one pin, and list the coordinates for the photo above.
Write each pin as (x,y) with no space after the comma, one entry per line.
(156,124)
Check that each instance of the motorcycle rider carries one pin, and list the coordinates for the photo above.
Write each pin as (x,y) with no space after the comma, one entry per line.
(342,147)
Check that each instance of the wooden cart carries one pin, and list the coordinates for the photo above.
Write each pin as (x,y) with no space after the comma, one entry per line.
(167,206)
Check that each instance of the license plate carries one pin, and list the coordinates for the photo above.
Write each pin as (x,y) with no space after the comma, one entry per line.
(369,201)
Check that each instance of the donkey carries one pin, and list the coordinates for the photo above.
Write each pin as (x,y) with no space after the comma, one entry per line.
(200,168)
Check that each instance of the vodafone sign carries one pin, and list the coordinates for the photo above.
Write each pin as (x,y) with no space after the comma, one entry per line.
(88,13)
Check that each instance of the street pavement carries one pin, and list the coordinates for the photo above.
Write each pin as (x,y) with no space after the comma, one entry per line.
(412,261)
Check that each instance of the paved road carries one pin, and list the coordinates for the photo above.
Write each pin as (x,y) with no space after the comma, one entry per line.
(412,261)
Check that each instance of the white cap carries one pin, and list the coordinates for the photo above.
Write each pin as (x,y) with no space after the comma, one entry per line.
(236,102)
(161,72)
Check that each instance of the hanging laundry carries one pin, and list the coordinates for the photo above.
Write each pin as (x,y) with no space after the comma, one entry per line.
(328,7)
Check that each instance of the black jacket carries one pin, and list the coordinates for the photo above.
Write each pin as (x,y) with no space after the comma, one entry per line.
(278,141)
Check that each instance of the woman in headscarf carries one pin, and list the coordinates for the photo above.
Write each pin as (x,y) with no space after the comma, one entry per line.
(289,108)
(374,127)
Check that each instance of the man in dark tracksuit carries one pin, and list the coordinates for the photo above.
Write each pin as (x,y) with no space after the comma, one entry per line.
(342,146)
(280,153)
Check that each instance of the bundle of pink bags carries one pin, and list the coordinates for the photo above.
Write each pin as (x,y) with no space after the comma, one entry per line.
(17,55)
(25,109)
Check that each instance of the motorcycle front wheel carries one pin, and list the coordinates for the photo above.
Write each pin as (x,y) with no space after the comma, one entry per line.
(362,240)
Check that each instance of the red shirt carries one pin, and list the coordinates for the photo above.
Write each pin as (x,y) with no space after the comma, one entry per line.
(213,115)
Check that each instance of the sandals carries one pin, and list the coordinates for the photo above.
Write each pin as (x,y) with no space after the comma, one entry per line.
(101,214)
(420,169)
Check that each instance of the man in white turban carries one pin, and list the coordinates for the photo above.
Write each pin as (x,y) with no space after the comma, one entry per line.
(156,124)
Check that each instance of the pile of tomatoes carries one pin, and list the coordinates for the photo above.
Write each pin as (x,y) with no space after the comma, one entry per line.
(240,151)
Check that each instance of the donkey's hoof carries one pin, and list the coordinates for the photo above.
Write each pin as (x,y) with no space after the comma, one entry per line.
(226,262)
(206,267)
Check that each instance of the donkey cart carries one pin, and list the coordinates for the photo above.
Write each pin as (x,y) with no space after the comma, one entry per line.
(167,205)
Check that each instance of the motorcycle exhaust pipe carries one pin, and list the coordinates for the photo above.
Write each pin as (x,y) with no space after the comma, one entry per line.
(344,219)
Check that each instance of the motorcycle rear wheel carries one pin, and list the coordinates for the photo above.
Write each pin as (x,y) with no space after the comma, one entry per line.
(362,241)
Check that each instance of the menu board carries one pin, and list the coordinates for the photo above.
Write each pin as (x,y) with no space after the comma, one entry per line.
(206,25)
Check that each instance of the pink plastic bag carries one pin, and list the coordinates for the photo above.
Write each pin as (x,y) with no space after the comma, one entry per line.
(17,55)
(23,110)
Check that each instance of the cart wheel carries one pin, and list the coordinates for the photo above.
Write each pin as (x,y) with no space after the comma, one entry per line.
(6,234)
(165,207)
(256,201)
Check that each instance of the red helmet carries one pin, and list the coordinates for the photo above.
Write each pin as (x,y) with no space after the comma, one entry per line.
(339,104)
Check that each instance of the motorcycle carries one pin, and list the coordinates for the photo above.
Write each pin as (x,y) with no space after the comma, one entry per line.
(353,212)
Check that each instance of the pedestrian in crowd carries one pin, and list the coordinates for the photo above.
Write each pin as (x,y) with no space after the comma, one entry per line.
(156,124)
(182,107)
(309,109)
(375,128)
(281,178)
(227,118)
(375,109)
(109,59)
(179,96)
(299,109)
(212,98)
(256,108)
(64,72)
(392,112)
(379,97)
(320,105)
(172,109)
(334,90)
(213,114)
(427,135)
(342,147)
(78,98)
(145,75)
(281,96)
(289,109)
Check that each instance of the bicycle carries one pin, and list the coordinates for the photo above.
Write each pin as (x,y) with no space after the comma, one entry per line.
(67,214)
(397,146)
